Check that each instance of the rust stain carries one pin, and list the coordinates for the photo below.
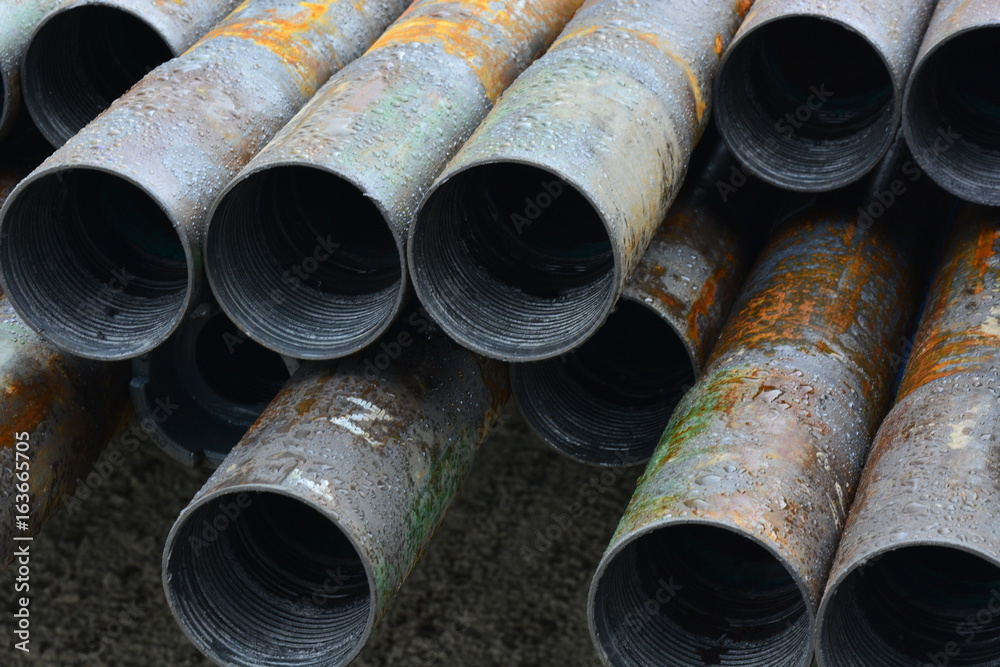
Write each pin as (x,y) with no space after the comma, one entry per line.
(483,33)
(720,46)
(285,37)
(743,7)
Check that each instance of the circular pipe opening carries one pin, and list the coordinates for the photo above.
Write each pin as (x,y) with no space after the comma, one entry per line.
(694,594)
(305,263)
(80,61)
(915,606)
(609,401)
(806,104)
(259,578)
(513,262)
(953,115)
(206,387)
(93,264)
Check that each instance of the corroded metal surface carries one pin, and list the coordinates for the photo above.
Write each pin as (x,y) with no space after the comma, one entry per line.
(950,114)
(374,138)
(810,92)
(101,246)
(205,387)
(597,134)
(17,19)
(65,410)
(763,454)
(378,454)
(931,482)
(86,53)
(608,402)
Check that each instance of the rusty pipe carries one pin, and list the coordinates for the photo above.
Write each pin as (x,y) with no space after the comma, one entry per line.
(917,576)
(57,413)
(205,387)
(85,54)
(526,240)
(951,109)
(810,92)
(298,543)
(17,20)
(609,401)
(313,285)
(724,549)
(100,248)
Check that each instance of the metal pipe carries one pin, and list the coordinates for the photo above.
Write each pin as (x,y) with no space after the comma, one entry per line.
(951,109)
(609,401)
(216,381)
(527,239)
(86,54)
(100,248)
(917,578)
(809,96)
(724,549)
(297,544)
(313,285)
(56,415)
(17,19)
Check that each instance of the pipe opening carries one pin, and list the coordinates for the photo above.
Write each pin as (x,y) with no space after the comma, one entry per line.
(94,264)
(83,59)
(305,262)
(916,606)
(954,115)
(699,595)
(206,387)
(514,261)
(260,578)
(807,104)
(609,401)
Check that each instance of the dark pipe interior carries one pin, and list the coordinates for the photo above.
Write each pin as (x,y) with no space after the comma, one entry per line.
(907,606)
(81,61)
(700,595)
(532,230)
(276,584)
(95,262)
(967,87)
(304,260)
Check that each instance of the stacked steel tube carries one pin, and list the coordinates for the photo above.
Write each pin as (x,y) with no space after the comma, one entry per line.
(527,239)
(295,547)
(17,19)
(741,506)
(87,53)
(101,245)
(316,284)
(917,575)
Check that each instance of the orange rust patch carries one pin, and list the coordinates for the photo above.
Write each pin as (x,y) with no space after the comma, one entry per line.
(743,6)
(703,305)
(719,45)
(287,38)
(25,407)
(483,33)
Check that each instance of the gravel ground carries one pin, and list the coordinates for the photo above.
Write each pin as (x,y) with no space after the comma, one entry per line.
(489,590)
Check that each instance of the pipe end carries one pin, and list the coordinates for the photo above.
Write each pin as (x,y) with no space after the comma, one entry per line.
(94,264)
(305,262)
(255,577)
(952,119)
(806,104)
(698,594)
(513,262)
(80,60)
